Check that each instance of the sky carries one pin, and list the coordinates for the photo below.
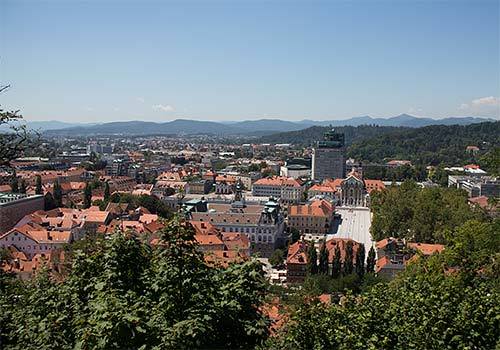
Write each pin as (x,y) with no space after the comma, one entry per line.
(98,61)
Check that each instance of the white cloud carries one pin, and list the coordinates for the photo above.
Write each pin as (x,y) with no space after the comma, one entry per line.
(89,109)
(485,106)
(163,108)
(140,99)
(116,109)
(486,101)
(415,110)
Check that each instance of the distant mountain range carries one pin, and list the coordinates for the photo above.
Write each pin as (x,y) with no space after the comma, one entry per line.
(46,125)
(248,127)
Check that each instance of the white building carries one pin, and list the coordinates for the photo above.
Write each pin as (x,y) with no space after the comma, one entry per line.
(287,189)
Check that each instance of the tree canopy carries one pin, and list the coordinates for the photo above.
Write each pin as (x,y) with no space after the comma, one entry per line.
(422,215)
(119,293)
(448,301)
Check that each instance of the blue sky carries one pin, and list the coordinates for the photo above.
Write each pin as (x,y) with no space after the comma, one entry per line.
(233,60)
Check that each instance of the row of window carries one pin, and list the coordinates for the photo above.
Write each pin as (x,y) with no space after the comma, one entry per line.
(246,230)
(262,239)
(35,247)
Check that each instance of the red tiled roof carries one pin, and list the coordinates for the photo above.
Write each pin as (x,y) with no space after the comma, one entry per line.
(318,208)
(383,261)
(297,253)
(208,239)
(322,188)
(374,185)
(332,244)
(482,201)
(427,249)
(278,181)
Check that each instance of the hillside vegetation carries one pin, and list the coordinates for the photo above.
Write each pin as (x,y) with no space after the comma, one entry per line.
(308,136)
(430,145)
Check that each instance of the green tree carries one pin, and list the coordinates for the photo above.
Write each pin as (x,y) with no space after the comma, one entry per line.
(87,196)
(370,261)
(360,261)
(22,187)
(323,259)
(337,263)
(49,202)
(14,183)
(107,192)
(422,215)
(38,185)
(277,257)
(348,267)
(295,235)
(312,259)
(118,293)
(57,194)
(15,142)
(455,293)
(491,161)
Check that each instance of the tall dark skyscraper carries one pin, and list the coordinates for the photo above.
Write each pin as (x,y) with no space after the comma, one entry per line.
(328,160)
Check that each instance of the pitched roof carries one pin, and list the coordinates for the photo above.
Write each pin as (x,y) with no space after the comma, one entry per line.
(332,244)
(317,208)
(278,181)
(235,241)
(381,263)
(333,183)
(374,185)
(322,188)
(297,253)
(208,239)
(427,249)
(481,201)
(204,228)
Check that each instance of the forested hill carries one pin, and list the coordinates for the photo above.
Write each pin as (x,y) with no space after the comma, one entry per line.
(307,137)
(430,145)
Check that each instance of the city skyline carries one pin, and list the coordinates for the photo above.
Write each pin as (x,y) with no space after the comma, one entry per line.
(101,62)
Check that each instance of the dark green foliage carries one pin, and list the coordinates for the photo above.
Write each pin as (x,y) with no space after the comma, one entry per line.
(419,314)
(323,259)
(18,138)
(14,184)
(347,267)
(151,203)
(336,263)
(57,194)
(312,260)
(107,192)
(22,187)
(38,185)
(87,196)
(421,215)
(400,173)
(430,145)
(323,284)
(277,258)
(295,235)
(370,261)
(308,136)
(360,261)
(121,294)
(491,161)
(423,308)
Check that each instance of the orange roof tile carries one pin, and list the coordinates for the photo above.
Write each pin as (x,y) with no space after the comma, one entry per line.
(278,181)
(427,249)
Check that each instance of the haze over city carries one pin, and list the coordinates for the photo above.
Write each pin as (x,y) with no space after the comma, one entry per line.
(227,61)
